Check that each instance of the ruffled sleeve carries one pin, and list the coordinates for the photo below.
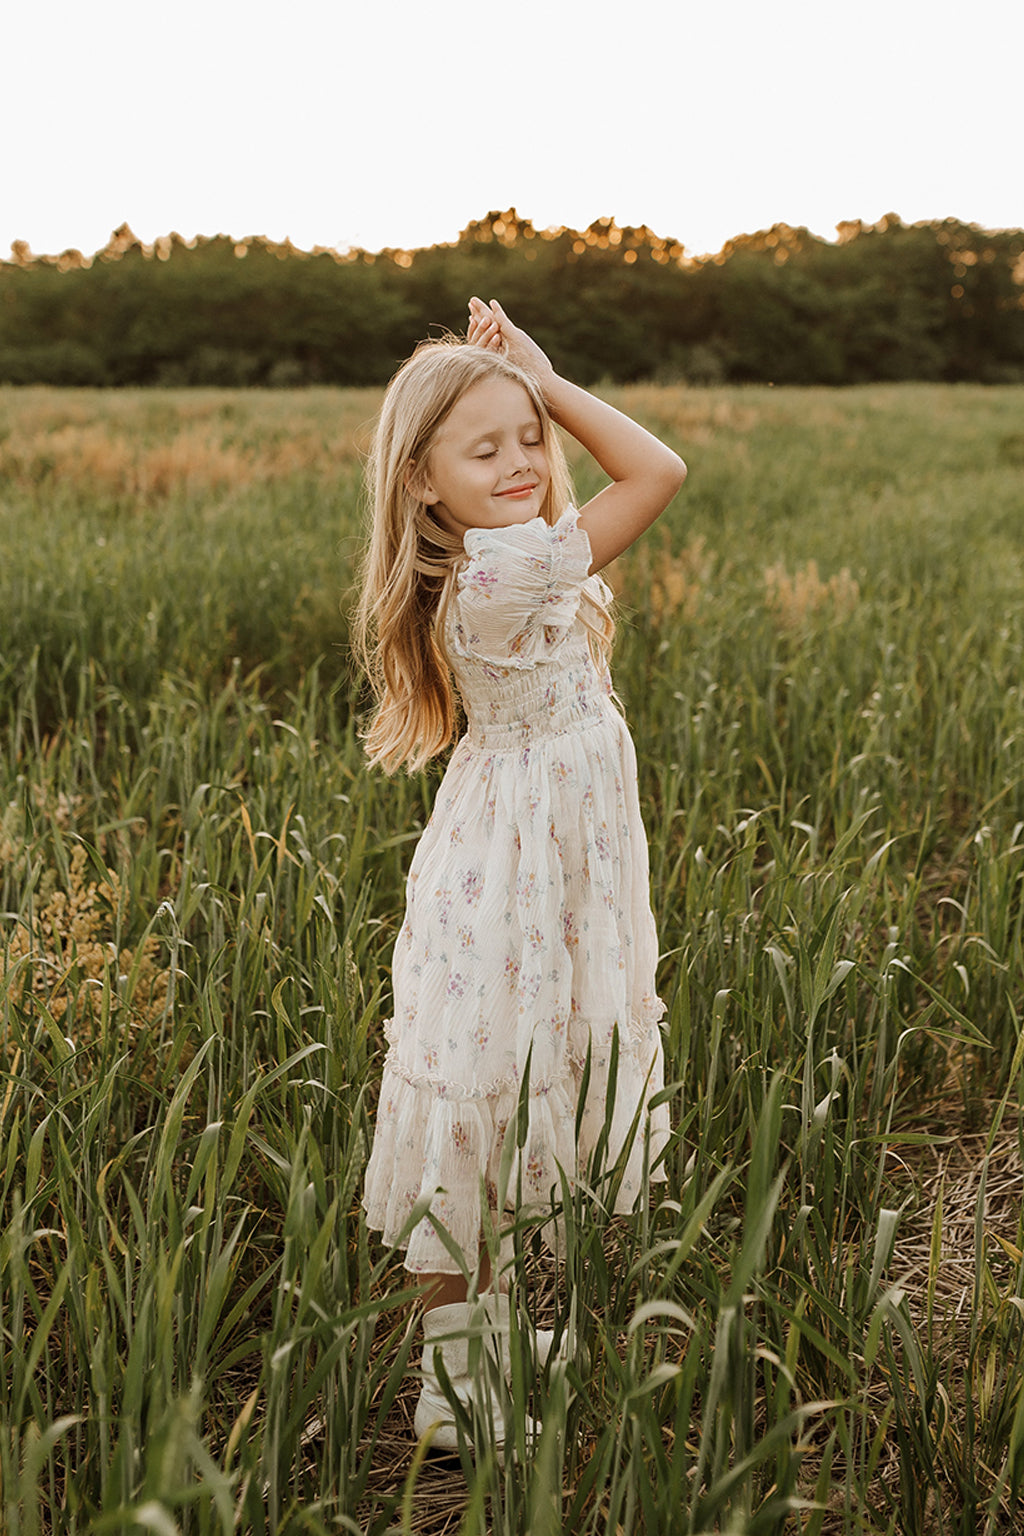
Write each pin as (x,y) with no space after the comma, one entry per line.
(519,593)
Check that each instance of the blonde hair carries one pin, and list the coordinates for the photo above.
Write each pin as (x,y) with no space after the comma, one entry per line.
(410,564)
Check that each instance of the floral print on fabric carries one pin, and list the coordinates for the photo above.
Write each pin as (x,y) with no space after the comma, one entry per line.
(528,940)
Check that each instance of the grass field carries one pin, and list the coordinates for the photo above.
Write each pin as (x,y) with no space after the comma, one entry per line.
(816,1325)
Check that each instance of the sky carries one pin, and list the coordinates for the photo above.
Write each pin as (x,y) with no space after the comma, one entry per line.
(394,123)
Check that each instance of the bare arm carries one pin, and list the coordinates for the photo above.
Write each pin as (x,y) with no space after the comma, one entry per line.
(645,474)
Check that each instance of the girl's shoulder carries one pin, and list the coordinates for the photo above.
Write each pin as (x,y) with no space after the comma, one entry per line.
(532,541)
(519,588)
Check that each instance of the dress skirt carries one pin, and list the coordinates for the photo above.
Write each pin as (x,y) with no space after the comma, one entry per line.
(528,943)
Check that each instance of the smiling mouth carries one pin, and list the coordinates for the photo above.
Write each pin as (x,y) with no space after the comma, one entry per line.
(518,490)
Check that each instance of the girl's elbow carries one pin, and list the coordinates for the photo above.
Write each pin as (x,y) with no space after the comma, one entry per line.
(670,476)
(675,474)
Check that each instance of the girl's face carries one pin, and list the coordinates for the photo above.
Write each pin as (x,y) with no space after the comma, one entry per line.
(488,466)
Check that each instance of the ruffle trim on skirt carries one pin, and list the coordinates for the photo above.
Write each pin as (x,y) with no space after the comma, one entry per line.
(443,1142)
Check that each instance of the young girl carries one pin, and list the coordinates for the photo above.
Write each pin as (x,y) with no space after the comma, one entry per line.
(528,940)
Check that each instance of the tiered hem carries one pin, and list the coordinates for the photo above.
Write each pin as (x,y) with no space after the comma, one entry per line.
(444,1141)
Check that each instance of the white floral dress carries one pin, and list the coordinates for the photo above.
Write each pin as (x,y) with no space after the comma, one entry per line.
(528,935)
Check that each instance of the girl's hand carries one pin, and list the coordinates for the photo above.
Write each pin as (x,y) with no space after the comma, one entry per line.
(490,327)
(645,474)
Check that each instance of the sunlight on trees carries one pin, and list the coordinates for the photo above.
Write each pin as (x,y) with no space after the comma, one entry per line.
(883,301)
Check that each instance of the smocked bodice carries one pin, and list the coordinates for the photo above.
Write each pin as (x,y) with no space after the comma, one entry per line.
(509,708)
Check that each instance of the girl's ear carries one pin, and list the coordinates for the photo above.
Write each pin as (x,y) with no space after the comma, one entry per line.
(417,484)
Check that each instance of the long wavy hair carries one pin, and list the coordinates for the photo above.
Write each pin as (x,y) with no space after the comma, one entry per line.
(411,560)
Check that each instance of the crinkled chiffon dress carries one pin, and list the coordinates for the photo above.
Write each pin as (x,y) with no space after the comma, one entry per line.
(528,939)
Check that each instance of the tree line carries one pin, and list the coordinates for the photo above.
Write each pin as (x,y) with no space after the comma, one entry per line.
(887,301)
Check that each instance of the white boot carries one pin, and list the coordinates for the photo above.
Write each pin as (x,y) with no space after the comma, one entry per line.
(461,1333)
(542,1339)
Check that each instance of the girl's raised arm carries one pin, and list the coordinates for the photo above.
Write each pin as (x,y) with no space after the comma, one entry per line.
(645,474)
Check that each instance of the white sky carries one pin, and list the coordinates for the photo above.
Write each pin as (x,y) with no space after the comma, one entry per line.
(396,122)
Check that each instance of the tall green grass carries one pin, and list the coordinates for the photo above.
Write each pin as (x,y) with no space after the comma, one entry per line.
(815,1325)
